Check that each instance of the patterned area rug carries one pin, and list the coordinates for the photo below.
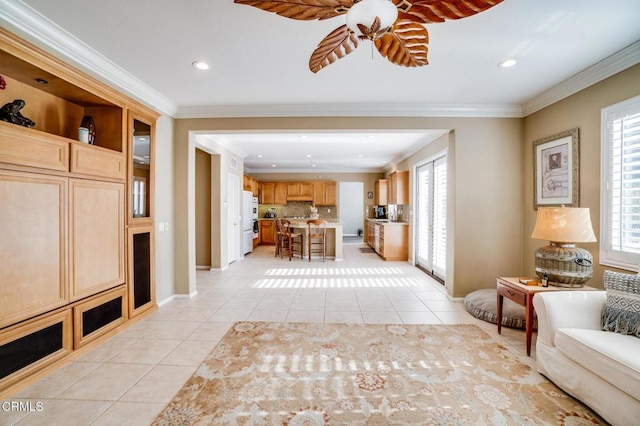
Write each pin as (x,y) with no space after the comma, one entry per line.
(344,374)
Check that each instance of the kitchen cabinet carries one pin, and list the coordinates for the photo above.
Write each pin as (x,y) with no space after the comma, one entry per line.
(267,193)
(273,193)
(299,191)
(393,241)
(251,184)
(398,188)
(324,193)
(381,192)
(267,229)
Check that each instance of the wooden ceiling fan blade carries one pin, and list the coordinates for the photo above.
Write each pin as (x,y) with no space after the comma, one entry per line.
(406,44)
(305,10)
(338,44)
(433,11)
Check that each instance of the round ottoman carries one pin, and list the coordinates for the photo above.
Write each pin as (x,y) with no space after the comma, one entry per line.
(482,304)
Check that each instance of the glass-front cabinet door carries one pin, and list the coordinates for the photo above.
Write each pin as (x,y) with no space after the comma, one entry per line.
(141,169)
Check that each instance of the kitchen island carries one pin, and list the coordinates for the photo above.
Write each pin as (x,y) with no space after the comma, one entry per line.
(334,237)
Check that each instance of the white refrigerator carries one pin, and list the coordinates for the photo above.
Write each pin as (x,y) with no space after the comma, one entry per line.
(247,221)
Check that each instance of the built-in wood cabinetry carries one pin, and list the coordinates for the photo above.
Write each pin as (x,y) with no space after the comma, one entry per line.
(140,220)
(393,242)
(320,193)
(66,209)
(398,188)
(273,193)
(324,193)
(381,192)
(251,184)
(96,236)
(267,230)
(299,191)
(141,267)
(33,229)
(389,239)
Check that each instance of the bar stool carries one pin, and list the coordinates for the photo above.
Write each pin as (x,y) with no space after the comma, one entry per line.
(278,235)
(288,241)
(317,238)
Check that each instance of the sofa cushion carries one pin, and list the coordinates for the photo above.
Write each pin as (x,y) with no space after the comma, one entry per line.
(621,312)
(612,356)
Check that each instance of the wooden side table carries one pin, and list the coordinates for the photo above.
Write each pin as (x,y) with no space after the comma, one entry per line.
(522,294)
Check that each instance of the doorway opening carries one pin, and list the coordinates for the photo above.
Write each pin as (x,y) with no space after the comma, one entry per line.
(431,217)
(351,210)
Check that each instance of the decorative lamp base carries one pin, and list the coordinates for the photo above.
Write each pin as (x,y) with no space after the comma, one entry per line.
(565,264)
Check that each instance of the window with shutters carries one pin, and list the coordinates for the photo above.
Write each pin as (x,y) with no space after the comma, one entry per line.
(620,187)
(431,220)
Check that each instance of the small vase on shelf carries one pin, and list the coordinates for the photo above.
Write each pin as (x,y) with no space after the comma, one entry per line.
(87,130)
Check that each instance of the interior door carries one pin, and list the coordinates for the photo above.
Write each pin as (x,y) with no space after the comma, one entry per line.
(431,222)
(234,218)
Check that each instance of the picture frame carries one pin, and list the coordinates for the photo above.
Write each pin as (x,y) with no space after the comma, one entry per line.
(557,170)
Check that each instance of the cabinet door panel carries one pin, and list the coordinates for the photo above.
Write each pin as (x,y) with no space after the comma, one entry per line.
(91,160)
(96,236)
(33,217)
(34,149)
(141,270)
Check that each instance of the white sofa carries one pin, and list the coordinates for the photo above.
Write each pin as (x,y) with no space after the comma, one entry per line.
(599,368)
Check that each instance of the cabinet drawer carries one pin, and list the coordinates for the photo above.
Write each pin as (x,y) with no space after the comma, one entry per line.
(513,294)
(28,147)
(30,346)
(96,161)
(98,315)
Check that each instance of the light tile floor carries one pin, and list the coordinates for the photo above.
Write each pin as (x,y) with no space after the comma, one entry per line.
(130,378)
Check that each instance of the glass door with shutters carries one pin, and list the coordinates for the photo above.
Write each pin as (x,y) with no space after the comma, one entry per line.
(431,217)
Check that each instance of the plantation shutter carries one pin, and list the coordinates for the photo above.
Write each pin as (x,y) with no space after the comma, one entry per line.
(620,227)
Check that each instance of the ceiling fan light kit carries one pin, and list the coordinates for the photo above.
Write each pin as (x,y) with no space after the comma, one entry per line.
(363,15)
(395,27)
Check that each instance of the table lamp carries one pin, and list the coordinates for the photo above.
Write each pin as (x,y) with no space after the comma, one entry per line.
(565,264)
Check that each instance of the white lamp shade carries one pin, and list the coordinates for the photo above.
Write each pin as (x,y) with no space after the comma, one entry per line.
(365,12)
(564,225)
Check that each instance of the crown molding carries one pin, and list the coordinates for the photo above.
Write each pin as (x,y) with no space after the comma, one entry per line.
(349,110)
(29,24)
(619,61)
(315,170)
(32,26)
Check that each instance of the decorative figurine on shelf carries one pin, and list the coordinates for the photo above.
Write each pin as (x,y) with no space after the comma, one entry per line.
(11,113)
(3,83)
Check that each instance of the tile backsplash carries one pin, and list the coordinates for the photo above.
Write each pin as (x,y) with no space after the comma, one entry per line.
(299,209)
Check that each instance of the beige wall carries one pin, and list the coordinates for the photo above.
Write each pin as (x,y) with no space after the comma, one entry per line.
(581,110)
(164,201)
(486,202)
(203,209)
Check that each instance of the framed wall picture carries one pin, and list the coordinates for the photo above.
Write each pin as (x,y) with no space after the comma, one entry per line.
(556,170)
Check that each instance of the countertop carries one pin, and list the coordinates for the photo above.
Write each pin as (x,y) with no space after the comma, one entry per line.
(387,222)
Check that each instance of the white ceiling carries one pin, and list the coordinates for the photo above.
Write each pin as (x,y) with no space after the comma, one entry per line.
(259,63)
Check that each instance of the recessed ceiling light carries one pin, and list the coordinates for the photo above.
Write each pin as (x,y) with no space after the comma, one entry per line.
(273,165)
(313,165)
(308,155)
(200,65)
(507,64)
(360,155)
(259,155)
(303,136)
